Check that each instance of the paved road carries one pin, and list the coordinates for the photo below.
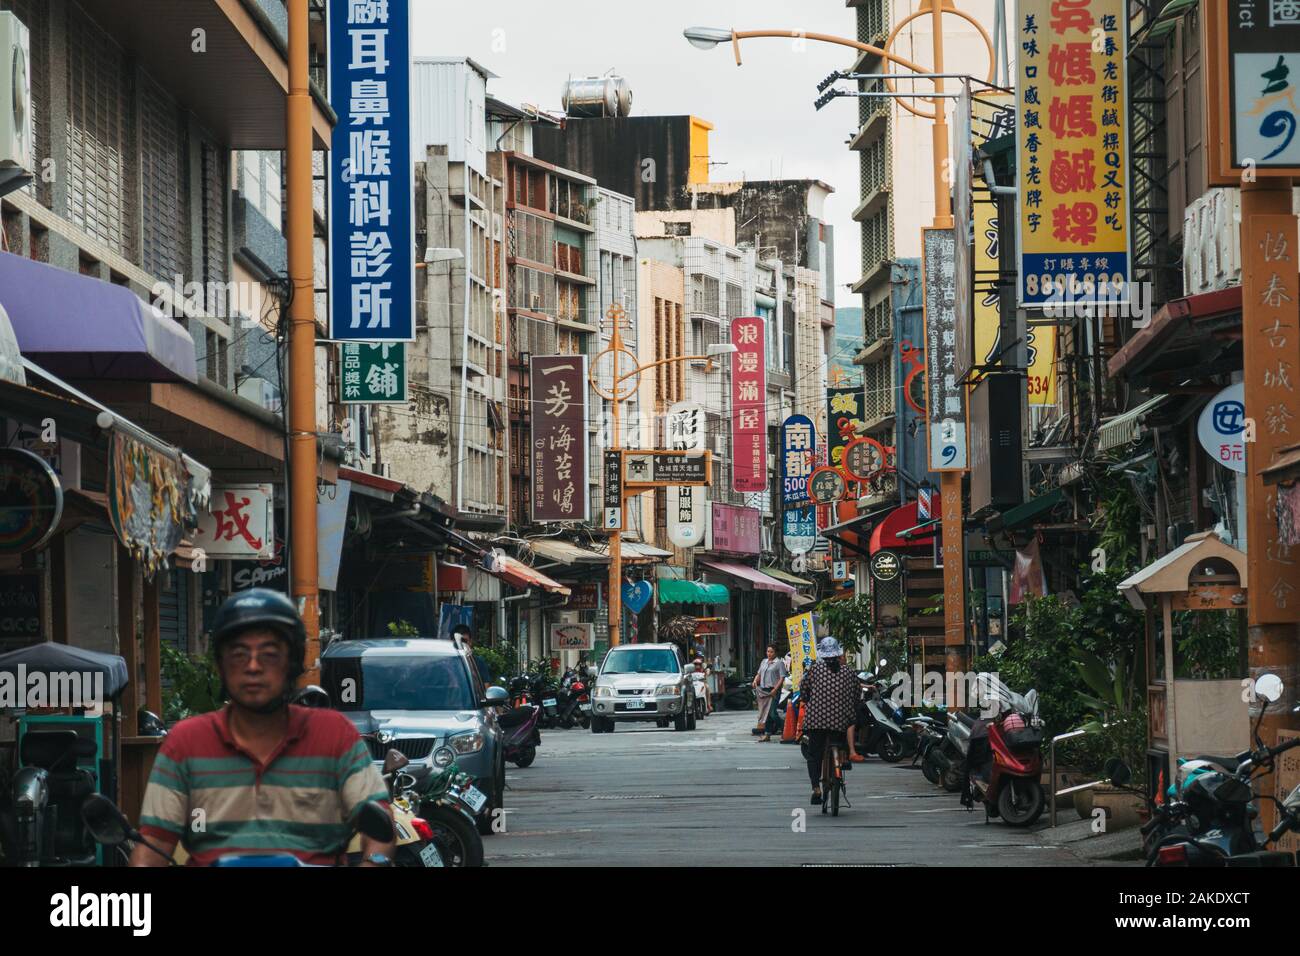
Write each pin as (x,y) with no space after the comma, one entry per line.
(713,796)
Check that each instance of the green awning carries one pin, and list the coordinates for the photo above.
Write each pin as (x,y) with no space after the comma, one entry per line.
(1031,509)
(692,592)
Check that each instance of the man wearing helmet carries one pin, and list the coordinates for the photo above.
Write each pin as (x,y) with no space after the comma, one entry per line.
(260,775)
(829,692)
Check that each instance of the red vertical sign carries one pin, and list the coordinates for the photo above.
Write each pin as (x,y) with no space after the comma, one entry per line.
(748,405)
(559,433)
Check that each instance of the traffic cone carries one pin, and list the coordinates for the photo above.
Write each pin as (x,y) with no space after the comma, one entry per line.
(788,733)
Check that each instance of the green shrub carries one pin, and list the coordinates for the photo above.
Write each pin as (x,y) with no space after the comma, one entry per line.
(194,686)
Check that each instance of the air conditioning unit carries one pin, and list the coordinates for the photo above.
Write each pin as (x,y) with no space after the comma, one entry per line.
(15,104)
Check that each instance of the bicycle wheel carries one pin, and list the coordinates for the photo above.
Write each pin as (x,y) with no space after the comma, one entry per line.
(828,778)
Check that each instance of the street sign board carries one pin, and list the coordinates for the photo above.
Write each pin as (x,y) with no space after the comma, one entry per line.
(613,512)
(946,398)
(660,468)
(372,374)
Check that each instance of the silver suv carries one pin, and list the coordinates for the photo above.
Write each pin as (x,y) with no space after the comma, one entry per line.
(643,682)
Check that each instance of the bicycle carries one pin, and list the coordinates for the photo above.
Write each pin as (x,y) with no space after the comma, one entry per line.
(834,760)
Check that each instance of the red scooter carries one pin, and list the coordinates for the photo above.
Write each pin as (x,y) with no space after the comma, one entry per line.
(1006,762)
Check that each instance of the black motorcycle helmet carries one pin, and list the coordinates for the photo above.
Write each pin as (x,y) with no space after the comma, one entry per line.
(262,607)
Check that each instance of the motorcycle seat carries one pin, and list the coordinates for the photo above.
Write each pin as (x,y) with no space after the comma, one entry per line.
(55,750)
(513,718)
(1229,764)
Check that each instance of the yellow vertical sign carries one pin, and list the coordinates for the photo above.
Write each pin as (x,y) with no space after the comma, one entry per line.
(1072,138)
(803,644)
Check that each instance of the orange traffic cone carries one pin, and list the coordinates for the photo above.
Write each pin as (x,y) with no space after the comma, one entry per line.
(789,734)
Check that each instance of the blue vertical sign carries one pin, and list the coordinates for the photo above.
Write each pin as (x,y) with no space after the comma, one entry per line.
(798,450)
(372,198)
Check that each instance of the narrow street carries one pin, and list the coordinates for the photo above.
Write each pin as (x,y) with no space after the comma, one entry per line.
(712,797)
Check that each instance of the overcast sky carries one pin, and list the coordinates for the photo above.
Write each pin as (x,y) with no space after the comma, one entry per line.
(765,125)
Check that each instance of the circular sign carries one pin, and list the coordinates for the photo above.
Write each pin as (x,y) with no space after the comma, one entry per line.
(31,501)
(886,566)
(1222,427)
(826,484)
(914,389)
(863,458)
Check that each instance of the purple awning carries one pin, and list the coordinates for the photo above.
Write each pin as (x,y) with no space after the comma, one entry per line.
(84,328)
(759,580)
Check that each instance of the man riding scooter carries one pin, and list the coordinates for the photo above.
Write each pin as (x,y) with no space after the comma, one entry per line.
(241,765)
(702,683)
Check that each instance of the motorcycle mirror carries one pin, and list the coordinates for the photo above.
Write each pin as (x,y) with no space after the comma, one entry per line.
(106,823)
(882,665)
(313,695)
(1118,772)
(375,822)
(1270,687)
(394,761)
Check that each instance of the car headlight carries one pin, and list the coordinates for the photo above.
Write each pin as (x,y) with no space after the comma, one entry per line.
(442,757)
(668,690)
(605,691)
(467,743)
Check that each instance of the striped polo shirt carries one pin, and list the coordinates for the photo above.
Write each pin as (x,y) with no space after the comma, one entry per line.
(299,801)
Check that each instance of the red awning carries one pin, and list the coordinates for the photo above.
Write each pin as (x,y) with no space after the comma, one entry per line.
(901,518)
(756,579)
(515,572)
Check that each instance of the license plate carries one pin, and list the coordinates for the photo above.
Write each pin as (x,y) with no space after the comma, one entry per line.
(549,702)
(636,704)
(430,856)
(475,797)
(584,707)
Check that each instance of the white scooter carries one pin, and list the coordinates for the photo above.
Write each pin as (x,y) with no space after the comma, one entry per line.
(700,681)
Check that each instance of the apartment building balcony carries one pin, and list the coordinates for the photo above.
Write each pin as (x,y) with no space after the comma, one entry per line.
(870,131)
(238,88)
(872,203)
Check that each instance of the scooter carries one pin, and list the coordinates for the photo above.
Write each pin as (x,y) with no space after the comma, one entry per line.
(700,681)
(1005,762)
(522,736)
(41,821)
(575,704)
(880,727)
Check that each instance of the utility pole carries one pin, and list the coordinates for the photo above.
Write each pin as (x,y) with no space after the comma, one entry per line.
(301,467)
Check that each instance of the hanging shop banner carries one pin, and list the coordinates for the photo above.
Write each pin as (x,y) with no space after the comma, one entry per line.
(239,523)
(844,410)
(372,195)
(864,458)
(1222,428)
(372,374)
(573,637)
(748,405)
(1072,166)
(798,444)
(799,529)
(824,512)
(613,515)
(801,634)
(1253,52)
(31,501)
(332,523)
(1270,289)
(559,437)
(153,500)
(687,516)
(946,398)
(684,427)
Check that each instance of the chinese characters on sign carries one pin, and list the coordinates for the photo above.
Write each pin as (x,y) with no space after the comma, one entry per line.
(684,428)
(844,411)
(1072,142)
(559,437)
(945,392)
(1222,427)
(1261,47)
(372,213)
(748,405)
(613,520)
(239,523)
(371,374)
(735,529)
(798,454)
(1270,292)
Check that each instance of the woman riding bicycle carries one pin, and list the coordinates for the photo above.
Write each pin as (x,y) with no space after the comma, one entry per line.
(829,692)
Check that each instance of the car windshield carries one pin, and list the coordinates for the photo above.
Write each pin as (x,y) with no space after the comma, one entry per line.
(656,660)
(398,682)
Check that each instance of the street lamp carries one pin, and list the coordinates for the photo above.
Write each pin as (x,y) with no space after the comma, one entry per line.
(616,395)
(954,572)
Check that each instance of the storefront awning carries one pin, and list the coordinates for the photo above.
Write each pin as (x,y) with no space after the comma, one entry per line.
(1197,334)
(558,551)
(84,328)
(756,579)
(521,575)
(1023,514)
(637,552)
(1126,428)
(887,533)
(783,575)
(692,592)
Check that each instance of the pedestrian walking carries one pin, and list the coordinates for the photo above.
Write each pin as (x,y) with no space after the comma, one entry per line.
(771,674)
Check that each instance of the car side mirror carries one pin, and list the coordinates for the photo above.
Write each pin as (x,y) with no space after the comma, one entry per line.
(394,761)
(495,697)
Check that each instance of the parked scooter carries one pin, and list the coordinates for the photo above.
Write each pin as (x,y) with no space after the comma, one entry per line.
(522,736)
(1206,817)
(575,701)
(700,681)
(880,724)
(1005,760)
